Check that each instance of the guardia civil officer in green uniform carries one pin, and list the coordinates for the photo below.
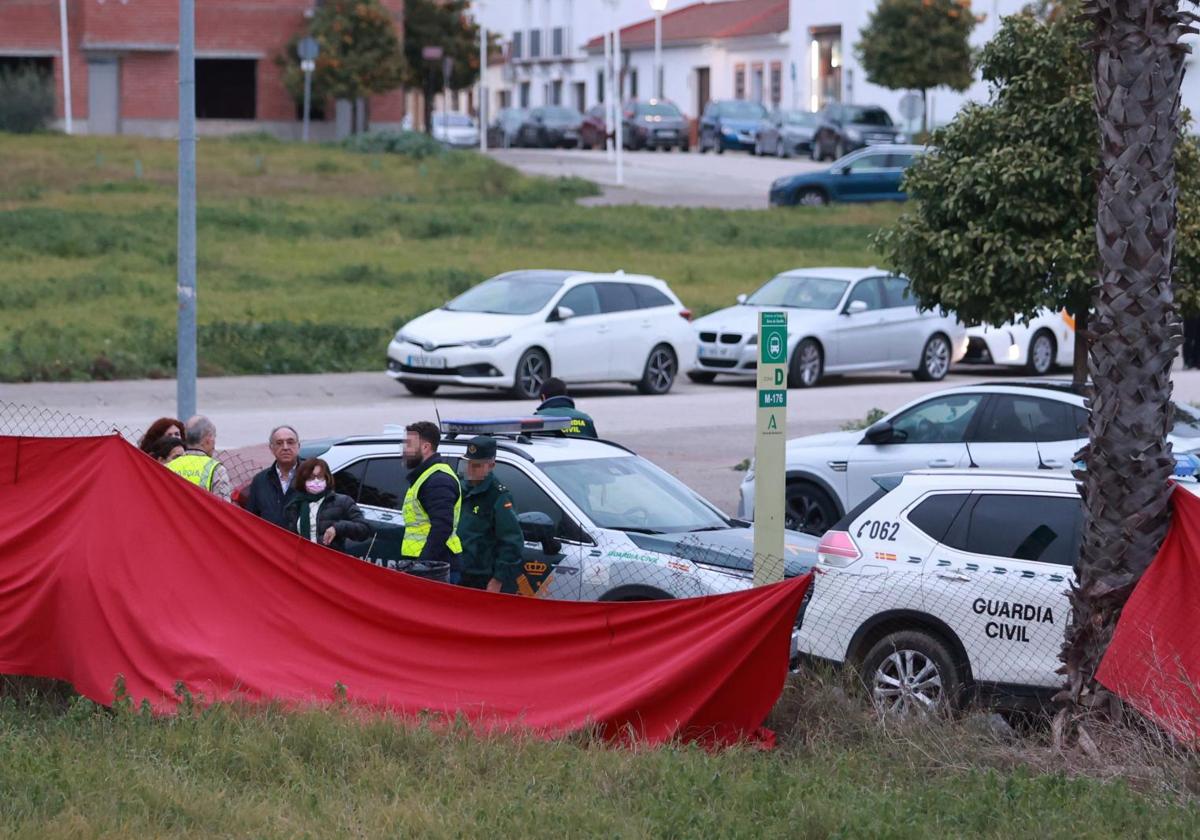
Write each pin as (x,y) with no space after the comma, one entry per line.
(556,402)
(433,502)
(489,530)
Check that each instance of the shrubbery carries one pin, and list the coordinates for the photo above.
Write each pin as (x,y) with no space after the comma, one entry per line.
(412,144)
(26,100)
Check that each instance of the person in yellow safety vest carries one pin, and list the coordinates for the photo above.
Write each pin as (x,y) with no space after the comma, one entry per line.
(433,502)
(197,464)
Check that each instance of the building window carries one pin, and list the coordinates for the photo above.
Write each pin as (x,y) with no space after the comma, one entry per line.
(633,90)
(756,83)
(42,65)
(524,94)
(506,99)
(535,43)
(776,83)
(825,67)
(739,81)
(225,88)
(600,85)
(580,96)
(556,92)
(557,40)
(517,41)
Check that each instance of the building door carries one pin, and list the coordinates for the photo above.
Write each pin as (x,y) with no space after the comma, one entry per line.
(580,96)
(756,83)
(104,96)
(702,90)
(825,73)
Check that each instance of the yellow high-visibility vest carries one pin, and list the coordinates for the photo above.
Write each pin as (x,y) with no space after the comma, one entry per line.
(416,521)
(198,469)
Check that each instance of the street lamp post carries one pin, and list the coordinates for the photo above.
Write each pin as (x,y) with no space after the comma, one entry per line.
(307,49)
(659,6)
(185,260)
(483,90)
(617,92)
(66,65)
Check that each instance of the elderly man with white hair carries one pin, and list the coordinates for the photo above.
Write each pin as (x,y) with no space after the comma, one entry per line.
(197,464)
(271,490)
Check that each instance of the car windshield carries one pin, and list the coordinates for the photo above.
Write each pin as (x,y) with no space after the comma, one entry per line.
(739,110)
(562,115)
(631,494)
(507,294)
(1187,422)
(800,292)
(453,120)
(657,109)
(799,118)
(867,116)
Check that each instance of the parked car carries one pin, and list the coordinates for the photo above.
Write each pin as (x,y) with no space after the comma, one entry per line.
(840,320)
(785,133)
(1013,426)
(517,329)
(655,124)
(844,128)
(1047,340)
(600,522)
(730,124)
(550,127)
(502,133)
(455,130)
(594,129)
(871,174)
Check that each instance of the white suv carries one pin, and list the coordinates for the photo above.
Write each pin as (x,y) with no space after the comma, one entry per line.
(517,329)
(953,582)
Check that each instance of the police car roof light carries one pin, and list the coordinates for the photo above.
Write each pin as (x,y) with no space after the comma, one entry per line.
(505,425)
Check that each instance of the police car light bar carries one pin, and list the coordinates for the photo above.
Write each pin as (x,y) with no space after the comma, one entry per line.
(505,425)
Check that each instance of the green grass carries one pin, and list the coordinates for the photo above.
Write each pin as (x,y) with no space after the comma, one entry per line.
(311,257)
(72,769)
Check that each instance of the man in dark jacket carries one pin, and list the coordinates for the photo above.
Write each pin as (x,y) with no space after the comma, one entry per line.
(271,490)
(433,502)
(556,403)
(490,533)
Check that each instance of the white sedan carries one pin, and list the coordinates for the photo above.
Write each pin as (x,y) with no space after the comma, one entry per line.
(515,330)
(1046,341)
(840,320)
(455,130)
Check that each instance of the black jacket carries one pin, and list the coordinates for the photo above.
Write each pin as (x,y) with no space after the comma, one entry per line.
(437,496)
(266,500)
(338,511)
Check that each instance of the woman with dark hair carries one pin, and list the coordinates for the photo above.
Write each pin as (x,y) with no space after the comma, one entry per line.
(159,429)
(167,449)
(320,515)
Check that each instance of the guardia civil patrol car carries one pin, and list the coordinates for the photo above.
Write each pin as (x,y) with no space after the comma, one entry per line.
(949,584)
(600,522)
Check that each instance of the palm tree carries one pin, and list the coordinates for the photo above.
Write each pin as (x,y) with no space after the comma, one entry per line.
(1135,331)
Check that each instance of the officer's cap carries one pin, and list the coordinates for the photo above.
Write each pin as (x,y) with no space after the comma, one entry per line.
(482,448)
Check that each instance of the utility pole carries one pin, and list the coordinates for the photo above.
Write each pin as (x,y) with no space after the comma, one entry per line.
(483,91)
(66,65)
(608,96)
(185,365)
(308,49)
(620,107)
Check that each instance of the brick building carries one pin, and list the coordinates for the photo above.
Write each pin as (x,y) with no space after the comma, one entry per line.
(124,62)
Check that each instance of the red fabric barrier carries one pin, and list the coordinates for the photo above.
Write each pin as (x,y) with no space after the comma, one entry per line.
(1153,662)
(111,565)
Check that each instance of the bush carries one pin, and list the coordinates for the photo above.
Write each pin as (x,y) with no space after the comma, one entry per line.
(412,144)
(26,100)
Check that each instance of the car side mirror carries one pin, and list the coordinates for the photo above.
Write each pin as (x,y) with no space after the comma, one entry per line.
(561,313)
(881,432)
(538,527)
(856,306)
(742,298)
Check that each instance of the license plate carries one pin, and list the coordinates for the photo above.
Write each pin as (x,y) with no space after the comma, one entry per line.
(666,132)
(426,361)
(718,352)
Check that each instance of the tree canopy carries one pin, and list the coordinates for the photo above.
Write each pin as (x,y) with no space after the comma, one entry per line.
(1002,217)
(445,24)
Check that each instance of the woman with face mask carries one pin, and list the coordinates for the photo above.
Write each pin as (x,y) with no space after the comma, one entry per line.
(320,515)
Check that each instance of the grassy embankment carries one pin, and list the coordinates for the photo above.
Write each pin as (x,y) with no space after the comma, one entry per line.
(309,258)
(71,769)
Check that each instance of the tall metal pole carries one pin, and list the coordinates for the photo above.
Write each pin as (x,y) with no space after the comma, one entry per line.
(608,95)
(619,105)
(307,102)
(658,87)
(185,366)
(66,65)
(483,95)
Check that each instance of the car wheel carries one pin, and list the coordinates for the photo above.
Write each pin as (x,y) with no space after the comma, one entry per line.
(808,508)
(685,147)
(701,377)
(1042,352)
(703,145)
(420,389)
(757,150)
(666,148)
(935,359)
(814,151)
(911,672)
(780,149)
(659,374)
(532,370)
(807,365)
(812,197)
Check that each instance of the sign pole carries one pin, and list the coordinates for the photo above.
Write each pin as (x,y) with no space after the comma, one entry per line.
(185,364)
(769,447)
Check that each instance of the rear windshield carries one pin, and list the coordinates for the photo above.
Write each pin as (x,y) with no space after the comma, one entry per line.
(453,120)
(657,109)
(844,523)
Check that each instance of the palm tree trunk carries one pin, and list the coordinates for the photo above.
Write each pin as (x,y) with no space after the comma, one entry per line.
(1134,328)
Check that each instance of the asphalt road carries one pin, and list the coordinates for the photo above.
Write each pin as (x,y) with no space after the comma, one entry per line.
(698,432)
(733,180)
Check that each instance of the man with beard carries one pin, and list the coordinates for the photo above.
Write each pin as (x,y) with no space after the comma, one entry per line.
(433,502)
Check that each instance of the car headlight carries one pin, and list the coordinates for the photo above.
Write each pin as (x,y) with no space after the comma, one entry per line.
(400,336)
(488,342)
(853,134)
(901,138)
